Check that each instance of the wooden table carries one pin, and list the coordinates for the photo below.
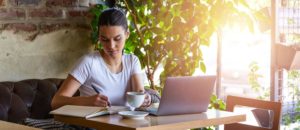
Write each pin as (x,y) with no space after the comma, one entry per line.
(13,126)
(174,122)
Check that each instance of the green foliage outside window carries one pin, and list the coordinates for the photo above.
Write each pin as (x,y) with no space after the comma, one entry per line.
(253,80)
(293,85)
(170,33)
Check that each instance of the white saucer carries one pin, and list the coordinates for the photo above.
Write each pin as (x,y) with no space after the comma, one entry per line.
(133,114)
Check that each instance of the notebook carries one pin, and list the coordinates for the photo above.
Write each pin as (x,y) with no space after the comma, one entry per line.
(87,111)
(185,95)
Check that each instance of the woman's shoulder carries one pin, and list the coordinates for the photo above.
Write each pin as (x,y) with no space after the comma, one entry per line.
(91,55)
(130,57)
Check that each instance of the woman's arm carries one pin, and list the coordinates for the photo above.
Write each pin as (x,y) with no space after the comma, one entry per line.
(69,87)
(137,86)
(136,83)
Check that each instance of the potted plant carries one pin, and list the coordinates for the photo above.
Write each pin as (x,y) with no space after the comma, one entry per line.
(170,33)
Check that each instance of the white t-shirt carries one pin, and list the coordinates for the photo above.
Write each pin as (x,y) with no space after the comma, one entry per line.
(91,69)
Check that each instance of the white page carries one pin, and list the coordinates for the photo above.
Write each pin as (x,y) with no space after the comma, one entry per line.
(87,111)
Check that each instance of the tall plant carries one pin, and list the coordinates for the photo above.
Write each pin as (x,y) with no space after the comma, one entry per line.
(293,83)
(170,33)
(253,77)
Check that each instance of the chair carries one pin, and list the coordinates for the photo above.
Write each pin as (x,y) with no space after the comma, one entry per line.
(262,114)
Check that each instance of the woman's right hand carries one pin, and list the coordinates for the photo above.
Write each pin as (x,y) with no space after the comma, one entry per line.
(97,100)
(64,96)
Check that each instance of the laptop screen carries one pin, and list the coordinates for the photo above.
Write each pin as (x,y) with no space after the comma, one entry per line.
(186,95)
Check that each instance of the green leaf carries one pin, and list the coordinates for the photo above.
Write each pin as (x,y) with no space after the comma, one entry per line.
(202,67)
(213,98)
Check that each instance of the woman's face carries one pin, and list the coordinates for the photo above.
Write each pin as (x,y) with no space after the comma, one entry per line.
(113,39)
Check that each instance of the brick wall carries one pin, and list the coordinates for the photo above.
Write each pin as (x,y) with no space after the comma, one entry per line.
(42,38)
(34,17)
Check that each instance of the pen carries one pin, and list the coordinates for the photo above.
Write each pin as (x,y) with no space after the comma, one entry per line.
(97,91)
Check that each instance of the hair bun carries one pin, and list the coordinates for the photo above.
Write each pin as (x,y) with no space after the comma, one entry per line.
(111,3)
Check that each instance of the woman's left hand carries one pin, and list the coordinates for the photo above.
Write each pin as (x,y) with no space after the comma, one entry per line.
(147,100)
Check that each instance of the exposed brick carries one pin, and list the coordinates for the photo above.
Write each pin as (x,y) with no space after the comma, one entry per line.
(68,3)
(28,2)
(45,13)
(8,14)
(87,14)
(2,3)
(79,13)
(3,26)
(13,2)
(31,37)
(24,2)
(83,26)
(51,3)
(26,27)
(75,13)
(46,28)
(63,3)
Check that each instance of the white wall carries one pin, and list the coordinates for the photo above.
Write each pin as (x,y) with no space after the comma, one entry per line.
(50,55)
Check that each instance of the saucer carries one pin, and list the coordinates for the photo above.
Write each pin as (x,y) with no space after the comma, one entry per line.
(133,114)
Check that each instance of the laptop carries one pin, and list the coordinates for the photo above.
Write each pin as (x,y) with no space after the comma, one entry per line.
(185,95)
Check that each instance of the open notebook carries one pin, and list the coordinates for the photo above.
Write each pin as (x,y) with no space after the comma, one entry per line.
(87,111)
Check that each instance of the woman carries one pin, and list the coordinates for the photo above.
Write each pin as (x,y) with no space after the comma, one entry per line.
(109,71)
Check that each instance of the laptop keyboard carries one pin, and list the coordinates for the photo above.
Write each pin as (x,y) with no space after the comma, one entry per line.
(151,109)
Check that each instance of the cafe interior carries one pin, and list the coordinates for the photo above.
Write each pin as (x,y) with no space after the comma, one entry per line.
(251,47)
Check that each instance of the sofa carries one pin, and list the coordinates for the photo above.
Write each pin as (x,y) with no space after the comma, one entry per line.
(27,99)
(32,99)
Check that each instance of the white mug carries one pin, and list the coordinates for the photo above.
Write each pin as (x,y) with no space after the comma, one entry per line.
(135,99)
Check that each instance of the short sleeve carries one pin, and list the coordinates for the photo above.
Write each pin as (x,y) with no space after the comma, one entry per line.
(82,69)
(136,65)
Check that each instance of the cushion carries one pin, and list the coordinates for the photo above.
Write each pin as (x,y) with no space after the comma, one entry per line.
(51,124)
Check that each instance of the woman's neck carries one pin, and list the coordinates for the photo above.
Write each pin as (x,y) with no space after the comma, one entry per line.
(113,63)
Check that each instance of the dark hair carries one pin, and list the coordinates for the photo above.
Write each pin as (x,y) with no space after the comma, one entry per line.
(113,17)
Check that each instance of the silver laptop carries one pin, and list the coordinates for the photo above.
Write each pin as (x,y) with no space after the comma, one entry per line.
(185,95)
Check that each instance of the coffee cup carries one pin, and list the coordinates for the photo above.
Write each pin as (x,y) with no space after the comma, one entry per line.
(135,99)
